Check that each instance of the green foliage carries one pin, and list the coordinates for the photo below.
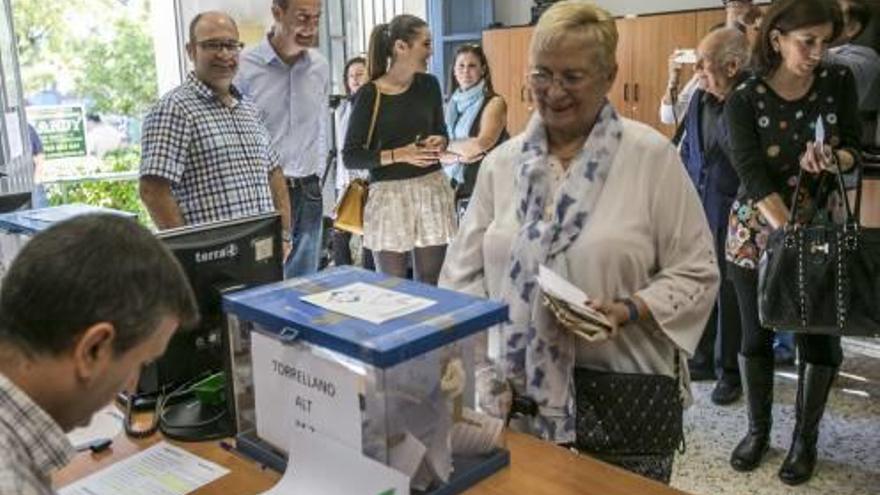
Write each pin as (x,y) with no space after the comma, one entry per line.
(103,46)
(116,194)
(127,159)
(119,76)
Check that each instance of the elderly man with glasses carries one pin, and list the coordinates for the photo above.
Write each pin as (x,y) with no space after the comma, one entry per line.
(290,83)
(206,155)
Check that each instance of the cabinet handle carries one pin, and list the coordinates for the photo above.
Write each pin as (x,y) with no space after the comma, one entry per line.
(625,91)
(522,93)
(636,92)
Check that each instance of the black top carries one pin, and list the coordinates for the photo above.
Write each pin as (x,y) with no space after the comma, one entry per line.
(418,111)
(768,135)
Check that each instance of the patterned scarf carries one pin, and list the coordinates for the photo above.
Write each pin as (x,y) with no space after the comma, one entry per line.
(461,111)
(539,354)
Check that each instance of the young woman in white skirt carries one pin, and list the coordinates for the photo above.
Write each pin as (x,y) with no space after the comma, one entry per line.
(400,139)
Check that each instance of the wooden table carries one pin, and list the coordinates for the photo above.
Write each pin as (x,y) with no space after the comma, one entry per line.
(537,468)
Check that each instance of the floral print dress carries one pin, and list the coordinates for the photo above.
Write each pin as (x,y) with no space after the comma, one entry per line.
(768,135)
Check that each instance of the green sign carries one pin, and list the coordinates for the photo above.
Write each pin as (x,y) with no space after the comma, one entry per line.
(61,128)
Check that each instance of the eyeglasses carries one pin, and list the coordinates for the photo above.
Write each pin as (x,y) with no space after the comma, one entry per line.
(541,80)
(216,46)
(306,19)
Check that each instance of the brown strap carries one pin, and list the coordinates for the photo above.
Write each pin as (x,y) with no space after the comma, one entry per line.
(373,118)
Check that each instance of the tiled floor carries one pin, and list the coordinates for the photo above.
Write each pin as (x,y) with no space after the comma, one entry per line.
(849,443)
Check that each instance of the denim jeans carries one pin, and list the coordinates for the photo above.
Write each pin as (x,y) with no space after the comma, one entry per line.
(306,213)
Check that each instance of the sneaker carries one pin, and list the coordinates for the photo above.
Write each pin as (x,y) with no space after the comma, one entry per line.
(726,393)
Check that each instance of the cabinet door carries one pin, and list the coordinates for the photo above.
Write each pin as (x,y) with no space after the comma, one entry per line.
(508,54)
(655,39)
(707,19)
(621,92)
(519,106)
(496,45)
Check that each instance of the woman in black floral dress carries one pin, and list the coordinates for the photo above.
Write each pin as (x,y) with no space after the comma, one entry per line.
(773,119)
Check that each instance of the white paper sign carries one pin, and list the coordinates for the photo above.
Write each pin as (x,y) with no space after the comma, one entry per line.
(321,466)
(368,302)
(296,390)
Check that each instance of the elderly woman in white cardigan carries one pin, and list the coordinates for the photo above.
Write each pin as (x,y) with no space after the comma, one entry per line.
(606,203)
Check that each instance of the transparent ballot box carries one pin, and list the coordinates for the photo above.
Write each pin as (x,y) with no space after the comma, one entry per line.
(382,365)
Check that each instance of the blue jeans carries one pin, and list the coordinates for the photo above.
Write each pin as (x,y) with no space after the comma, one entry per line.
(306,213)
(39,198)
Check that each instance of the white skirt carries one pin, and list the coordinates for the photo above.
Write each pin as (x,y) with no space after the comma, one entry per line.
(401,215)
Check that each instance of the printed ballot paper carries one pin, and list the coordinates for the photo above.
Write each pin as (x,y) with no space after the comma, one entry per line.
(368,302)
(163,468)
(322,466)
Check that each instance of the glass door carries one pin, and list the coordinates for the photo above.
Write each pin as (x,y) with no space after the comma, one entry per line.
(16,165)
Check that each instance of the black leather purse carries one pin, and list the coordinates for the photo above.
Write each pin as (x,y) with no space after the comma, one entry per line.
(631,420)
(822,278)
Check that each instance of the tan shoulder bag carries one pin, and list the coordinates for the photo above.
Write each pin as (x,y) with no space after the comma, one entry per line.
(349,210)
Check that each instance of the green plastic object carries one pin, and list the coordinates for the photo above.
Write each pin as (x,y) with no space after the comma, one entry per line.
(212,390)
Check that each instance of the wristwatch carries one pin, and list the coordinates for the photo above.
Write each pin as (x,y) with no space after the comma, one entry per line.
(631,308)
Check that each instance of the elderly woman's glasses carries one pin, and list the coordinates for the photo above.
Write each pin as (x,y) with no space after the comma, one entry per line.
(216,46)
(541,80)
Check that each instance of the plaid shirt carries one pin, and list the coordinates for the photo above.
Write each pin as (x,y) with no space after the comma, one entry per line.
(32,444)
(217,158)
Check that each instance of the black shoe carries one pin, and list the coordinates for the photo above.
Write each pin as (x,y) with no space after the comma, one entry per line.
(701,374)
(814,383)
(725,392)
(757,384)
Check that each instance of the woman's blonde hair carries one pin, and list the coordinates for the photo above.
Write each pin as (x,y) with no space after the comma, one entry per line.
(579,17)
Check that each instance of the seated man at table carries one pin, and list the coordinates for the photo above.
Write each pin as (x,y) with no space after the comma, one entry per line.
(84,305)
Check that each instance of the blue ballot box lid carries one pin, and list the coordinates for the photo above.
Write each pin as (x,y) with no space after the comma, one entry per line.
(34,221)
(279,309)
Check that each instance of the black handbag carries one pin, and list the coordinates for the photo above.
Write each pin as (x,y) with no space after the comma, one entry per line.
(822,278)
(631,420)
(627,414)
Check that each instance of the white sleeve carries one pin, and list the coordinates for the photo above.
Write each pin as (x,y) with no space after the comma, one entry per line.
(674,114)
(464,266)
(682,292)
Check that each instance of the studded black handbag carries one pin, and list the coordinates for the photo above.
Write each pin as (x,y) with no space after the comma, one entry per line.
(824,277)
(628,414)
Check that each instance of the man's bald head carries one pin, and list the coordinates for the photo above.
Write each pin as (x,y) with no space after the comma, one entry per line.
(725,46)
(721,56)
(213,17)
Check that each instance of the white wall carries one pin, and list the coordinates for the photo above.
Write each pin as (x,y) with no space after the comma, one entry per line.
(517,12)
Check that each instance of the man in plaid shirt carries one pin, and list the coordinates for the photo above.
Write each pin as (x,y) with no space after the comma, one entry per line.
(117,296)
(206,154)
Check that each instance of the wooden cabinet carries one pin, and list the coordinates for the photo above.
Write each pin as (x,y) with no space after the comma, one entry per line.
(508,54)
(643,50)
(654,38)
(621,90)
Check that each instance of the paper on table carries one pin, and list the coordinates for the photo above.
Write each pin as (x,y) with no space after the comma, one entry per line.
(163,468)
(476,434)
(321,466)
(106,423)
(368,302)
(555,286)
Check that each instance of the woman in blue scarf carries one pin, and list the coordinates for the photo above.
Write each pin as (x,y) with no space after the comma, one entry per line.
(476,118)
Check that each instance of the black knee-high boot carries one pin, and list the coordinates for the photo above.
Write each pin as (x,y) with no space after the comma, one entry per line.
(814,384)
(757,382)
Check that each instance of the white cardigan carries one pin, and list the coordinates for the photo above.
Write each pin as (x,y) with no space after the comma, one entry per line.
(648,236)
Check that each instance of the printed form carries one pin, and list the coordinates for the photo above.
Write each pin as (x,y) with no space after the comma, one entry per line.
(163,469)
